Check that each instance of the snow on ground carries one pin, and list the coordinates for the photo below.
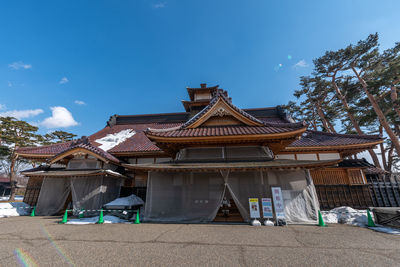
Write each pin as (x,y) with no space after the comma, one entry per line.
(126,201)
(387,230)
(347,215)
(5,198)
(14,209)
(93,220)
(111,140)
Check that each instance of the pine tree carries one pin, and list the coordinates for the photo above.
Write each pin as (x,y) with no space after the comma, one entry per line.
(13,134)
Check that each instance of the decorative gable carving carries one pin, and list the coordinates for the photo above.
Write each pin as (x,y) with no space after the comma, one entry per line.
(225,114)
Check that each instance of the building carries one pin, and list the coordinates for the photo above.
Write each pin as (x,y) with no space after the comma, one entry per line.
(186,165)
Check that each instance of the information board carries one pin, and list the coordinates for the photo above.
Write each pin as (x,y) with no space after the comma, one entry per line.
(278,202)
(267,208)
(254,208)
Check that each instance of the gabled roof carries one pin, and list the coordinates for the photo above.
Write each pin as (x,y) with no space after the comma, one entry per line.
(84,145)
(221,106)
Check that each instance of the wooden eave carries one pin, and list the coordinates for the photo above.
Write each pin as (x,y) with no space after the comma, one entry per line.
(73,173)
(35,156)
(139,153)
(233,166)
(188,104)
(231,138)
(77,150)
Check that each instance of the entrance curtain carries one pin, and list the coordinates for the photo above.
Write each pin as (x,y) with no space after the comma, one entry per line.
(196,197)
(53,195)
(183,197)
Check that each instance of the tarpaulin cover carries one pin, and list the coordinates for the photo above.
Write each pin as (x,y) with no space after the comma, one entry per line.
(88,193)
(53,194)
(183,197)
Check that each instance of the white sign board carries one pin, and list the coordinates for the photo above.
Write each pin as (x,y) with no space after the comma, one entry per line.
(267,208)
(278,202)
(254,208)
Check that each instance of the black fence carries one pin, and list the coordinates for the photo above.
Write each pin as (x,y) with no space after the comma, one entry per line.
(333,196)
(385,190)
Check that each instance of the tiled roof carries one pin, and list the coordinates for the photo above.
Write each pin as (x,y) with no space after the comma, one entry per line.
(45,150)
(137,143)
(315,138)
(222,131)
(85,144)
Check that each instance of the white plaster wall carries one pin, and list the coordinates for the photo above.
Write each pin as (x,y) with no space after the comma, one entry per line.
(285,156)
(307,157)
(145,160)
(329,156)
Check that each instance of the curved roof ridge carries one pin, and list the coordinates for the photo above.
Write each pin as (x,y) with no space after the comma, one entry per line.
(86,144)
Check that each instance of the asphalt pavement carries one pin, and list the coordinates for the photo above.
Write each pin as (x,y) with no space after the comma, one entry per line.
(41,241)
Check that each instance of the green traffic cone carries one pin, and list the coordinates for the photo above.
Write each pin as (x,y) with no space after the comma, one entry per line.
(33,211)
(137,221)
(80,215)
(101,219)
(371,222)
(65,217)
(320,220)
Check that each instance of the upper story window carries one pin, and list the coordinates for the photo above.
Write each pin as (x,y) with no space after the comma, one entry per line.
(88,164)
(234,153)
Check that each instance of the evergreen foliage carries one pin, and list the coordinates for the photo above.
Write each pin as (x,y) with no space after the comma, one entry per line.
(355,90)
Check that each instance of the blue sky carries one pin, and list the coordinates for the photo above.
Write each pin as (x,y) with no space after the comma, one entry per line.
(71,64)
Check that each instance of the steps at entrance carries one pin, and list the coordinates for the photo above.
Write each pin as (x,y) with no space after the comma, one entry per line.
(232,216)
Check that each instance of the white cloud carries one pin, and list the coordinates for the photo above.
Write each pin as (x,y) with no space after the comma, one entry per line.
(64,80)
(60,118)
(3,107)
(301,64)
(21,114)
(159,5)
(79,102)
(19,65)
(9,84)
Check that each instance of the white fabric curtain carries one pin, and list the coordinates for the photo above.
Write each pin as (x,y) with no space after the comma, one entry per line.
(196,197)
(53,195)
(300,198)
(183,197)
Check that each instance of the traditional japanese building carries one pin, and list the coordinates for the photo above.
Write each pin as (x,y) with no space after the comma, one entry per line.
(185,165)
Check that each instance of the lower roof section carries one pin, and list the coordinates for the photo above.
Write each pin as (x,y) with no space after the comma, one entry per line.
(279,164)
(62,173)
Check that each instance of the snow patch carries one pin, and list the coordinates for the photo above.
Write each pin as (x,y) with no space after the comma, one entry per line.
(93,220)
(14,209)
(387,230)
(126,201)
(346,215)
(5,198)
(111,140)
